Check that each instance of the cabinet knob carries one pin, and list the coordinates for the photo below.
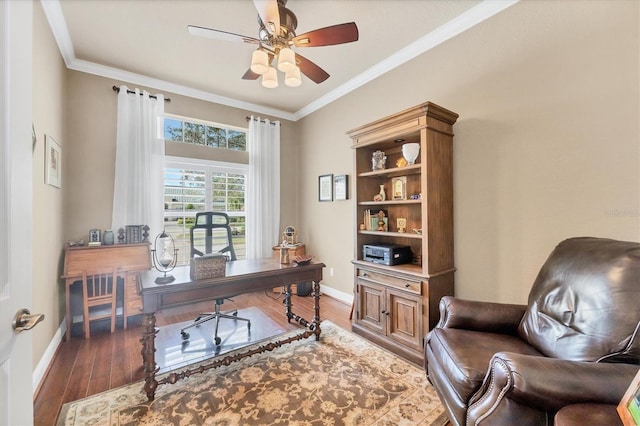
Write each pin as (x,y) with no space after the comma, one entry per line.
(407,285)
(364,274)
(383,312)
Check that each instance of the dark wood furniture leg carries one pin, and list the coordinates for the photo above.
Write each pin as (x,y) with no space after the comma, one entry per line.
(287,302)
(149,368)
(316,306)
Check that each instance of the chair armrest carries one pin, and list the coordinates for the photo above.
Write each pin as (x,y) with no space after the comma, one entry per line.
(518,386)
(480,316)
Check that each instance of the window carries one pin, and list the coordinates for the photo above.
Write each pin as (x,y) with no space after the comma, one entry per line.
(192,186)
(188,130)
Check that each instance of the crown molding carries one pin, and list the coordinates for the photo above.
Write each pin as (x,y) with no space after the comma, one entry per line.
(143,80)
(459,24)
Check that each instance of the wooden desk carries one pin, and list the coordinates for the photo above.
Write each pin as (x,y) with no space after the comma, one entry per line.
(242,276)
(128,258)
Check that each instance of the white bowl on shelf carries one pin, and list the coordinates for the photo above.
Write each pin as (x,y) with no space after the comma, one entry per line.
(410,152)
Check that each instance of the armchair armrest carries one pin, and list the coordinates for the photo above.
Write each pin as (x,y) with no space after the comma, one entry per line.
(532,387)
(480,316)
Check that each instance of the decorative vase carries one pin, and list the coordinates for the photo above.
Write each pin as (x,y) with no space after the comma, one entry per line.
(382,195)
(107,237)
(410,152)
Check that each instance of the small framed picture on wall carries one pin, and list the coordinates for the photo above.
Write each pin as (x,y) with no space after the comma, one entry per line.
(325,188)
(53,163)
(341,187)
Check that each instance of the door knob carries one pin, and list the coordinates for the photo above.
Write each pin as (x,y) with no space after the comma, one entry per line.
(25,321)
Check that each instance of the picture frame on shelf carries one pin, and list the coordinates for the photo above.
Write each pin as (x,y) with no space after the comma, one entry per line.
(53,163)
(341,187)
(399,188)
(629,407)
(325,187)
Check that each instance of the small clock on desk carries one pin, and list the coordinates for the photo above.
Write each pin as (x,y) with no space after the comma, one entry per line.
(401,224)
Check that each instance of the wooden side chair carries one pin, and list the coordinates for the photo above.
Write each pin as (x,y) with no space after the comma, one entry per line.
(99,297)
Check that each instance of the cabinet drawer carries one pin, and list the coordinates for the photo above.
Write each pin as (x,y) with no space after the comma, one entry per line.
(410,285)
(133,306)
(131,291)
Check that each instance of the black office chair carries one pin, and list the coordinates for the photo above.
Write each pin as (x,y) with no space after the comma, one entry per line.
(202,242)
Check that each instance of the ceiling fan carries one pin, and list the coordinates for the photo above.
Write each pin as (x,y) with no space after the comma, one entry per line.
(276,37)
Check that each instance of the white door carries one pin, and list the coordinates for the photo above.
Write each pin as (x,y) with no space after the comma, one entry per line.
(16,383)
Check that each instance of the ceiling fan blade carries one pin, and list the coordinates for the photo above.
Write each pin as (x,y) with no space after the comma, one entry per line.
(220,35)
(250,75)
(269,13)
(311,70)
(328,36)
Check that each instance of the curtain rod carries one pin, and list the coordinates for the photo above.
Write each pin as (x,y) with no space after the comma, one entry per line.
(117,90)
(273,123)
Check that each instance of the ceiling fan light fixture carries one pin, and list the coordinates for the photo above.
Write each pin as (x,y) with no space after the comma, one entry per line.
(270,78)
(286,59)
(293,77)
(259,61)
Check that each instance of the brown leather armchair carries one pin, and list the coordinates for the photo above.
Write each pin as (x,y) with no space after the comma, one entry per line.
(577,340)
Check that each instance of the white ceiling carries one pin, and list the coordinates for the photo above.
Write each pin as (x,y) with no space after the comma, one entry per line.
(146,42)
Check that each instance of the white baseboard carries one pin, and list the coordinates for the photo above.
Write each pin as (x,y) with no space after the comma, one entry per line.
(337,294)
(48,355)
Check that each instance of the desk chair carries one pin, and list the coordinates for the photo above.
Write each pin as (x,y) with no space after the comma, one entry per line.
(209,227)
(98,294)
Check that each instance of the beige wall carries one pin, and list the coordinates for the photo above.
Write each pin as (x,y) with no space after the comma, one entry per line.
(546,147)
(48,119)
(92,105)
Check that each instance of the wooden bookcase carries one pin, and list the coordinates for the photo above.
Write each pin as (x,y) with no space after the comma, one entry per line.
(395,306)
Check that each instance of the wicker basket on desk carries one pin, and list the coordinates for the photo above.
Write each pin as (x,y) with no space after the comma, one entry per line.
(208,266)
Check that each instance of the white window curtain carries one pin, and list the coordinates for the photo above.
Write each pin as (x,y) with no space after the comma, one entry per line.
(138,187)
(263,187)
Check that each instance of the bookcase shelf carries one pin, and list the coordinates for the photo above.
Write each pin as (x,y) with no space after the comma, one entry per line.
(395,305)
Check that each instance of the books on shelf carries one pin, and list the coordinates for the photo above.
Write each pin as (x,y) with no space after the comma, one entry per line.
(133,234)
(371,219)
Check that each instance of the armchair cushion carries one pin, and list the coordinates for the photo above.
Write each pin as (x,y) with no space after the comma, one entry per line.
(583,305)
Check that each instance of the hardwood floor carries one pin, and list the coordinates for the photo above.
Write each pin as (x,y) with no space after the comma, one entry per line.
(86,367)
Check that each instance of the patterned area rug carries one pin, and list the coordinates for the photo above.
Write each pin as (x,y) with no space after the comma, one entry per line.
(340,380)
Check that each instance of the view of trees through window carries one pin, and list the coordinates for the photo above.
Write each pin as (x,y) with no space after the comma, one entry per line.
(208,134)
(203,188)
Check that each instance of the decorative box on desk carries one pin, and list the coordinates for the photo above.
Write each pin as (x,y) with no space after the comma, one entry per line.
(303,289)
(128,258)
(210,265)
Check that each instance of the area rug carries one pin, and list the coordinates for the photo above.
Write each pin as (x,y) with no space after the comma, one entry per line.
(340,380)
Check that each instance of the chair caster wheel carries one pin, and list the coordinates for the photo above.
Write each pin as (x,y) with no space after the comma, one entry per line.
(218,341)
(197,319)
(235,314)
(185,335)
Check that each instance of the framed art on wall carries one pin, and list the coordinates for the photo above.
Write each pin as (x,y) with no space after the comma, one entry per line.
(325,188)
(53,163)
(341,187)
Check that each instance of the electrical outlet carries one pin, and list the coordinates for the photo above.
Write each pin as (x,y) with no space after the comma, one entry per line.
(330,272)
